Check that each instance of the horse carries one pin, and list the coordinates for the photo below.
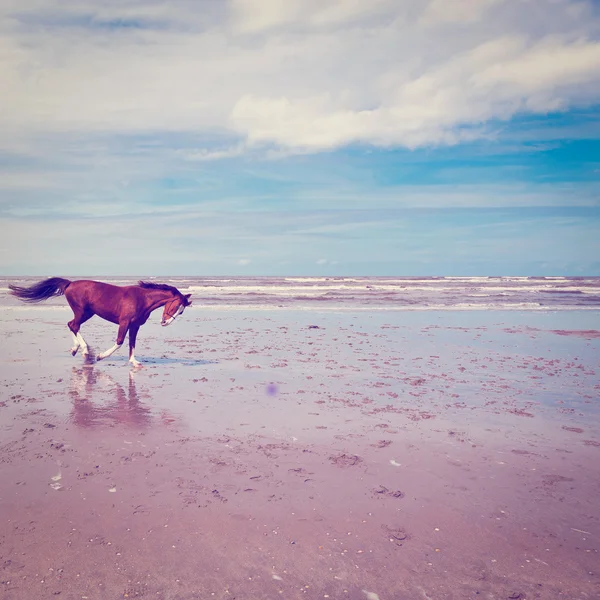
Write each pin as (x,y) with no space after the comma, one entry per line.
(127,306)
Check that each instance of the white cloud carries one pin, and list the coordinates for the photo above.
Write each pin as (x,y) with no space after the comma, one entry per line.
(548,65)
(495,80)
(250,16)
(455,11)
(207,154)
(295,76)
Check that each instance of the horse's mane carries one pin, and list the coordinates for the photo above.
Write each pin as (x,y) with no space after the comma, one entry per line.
(158,286)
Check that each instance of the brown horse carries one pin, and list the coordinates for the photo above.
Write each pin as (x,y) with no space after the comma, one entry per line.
(129,306)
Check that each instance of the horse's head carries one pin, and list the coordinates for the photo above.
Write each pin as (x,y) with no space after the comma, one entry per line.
(174,308)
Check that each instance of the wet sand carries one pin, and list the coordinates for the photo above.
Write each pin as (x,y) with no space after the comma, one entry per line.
(303,454)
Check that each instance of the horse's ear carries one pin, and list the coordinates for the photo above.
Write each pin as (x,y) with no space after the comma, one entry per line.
(187,296)
(187,299)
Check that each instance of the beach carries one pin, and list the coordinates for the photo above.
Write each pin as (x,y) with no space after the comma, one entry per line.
(299,449)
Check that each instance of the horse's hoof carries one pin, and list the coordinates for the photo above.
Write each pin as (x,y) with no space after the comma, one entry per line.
(99,357)
(74,351)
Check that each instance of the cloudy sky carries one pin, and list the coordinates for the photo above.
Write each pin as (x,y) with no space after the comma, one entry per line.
(343,137)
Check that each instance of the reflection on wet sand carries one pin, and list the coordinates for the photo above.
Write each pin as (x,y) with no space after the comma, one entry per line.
(100,400)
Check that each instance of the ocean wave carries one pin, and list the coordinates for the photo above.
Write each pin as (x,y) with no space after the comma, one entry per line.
(364,293)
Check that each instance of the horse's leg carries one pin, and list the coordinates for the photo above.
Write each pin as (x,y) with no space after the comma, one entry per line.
(84,347)
(80,317)
(73,326)
(123,327)
(75,344)
(133,331)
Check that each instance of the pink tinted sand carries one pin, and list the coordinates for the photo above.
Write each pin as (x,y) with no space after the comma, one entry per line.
(301,454)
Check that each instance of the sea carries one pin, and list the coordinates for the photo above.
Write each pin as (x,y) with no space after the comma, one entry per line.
(362,293)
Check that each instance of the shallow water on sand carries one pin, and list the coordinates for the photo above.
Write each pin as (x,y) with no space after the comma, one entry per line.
(303,454)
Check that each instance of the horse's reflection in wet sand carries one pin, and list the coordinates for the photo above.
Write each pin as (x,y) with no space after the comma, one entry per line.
(98,400)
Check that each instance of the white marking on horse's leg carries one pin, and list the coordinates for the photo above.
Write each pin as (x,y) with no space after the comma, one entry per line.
(75,344)
(82,343)
(132,360)
(108,352)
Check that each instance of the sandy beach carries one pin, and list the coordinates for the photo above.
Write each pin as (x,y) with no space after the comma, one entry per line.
(263,454)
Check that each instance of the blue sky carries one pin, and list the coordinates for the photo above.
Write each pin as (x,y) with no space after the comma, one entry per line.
(395,137)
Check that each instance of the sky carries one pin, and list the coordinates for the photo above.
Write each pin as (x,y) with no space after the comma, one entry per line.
(300,137)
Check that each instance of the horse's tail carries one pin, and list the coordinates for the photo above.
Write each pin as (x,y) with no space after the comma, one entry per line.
(55,286)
